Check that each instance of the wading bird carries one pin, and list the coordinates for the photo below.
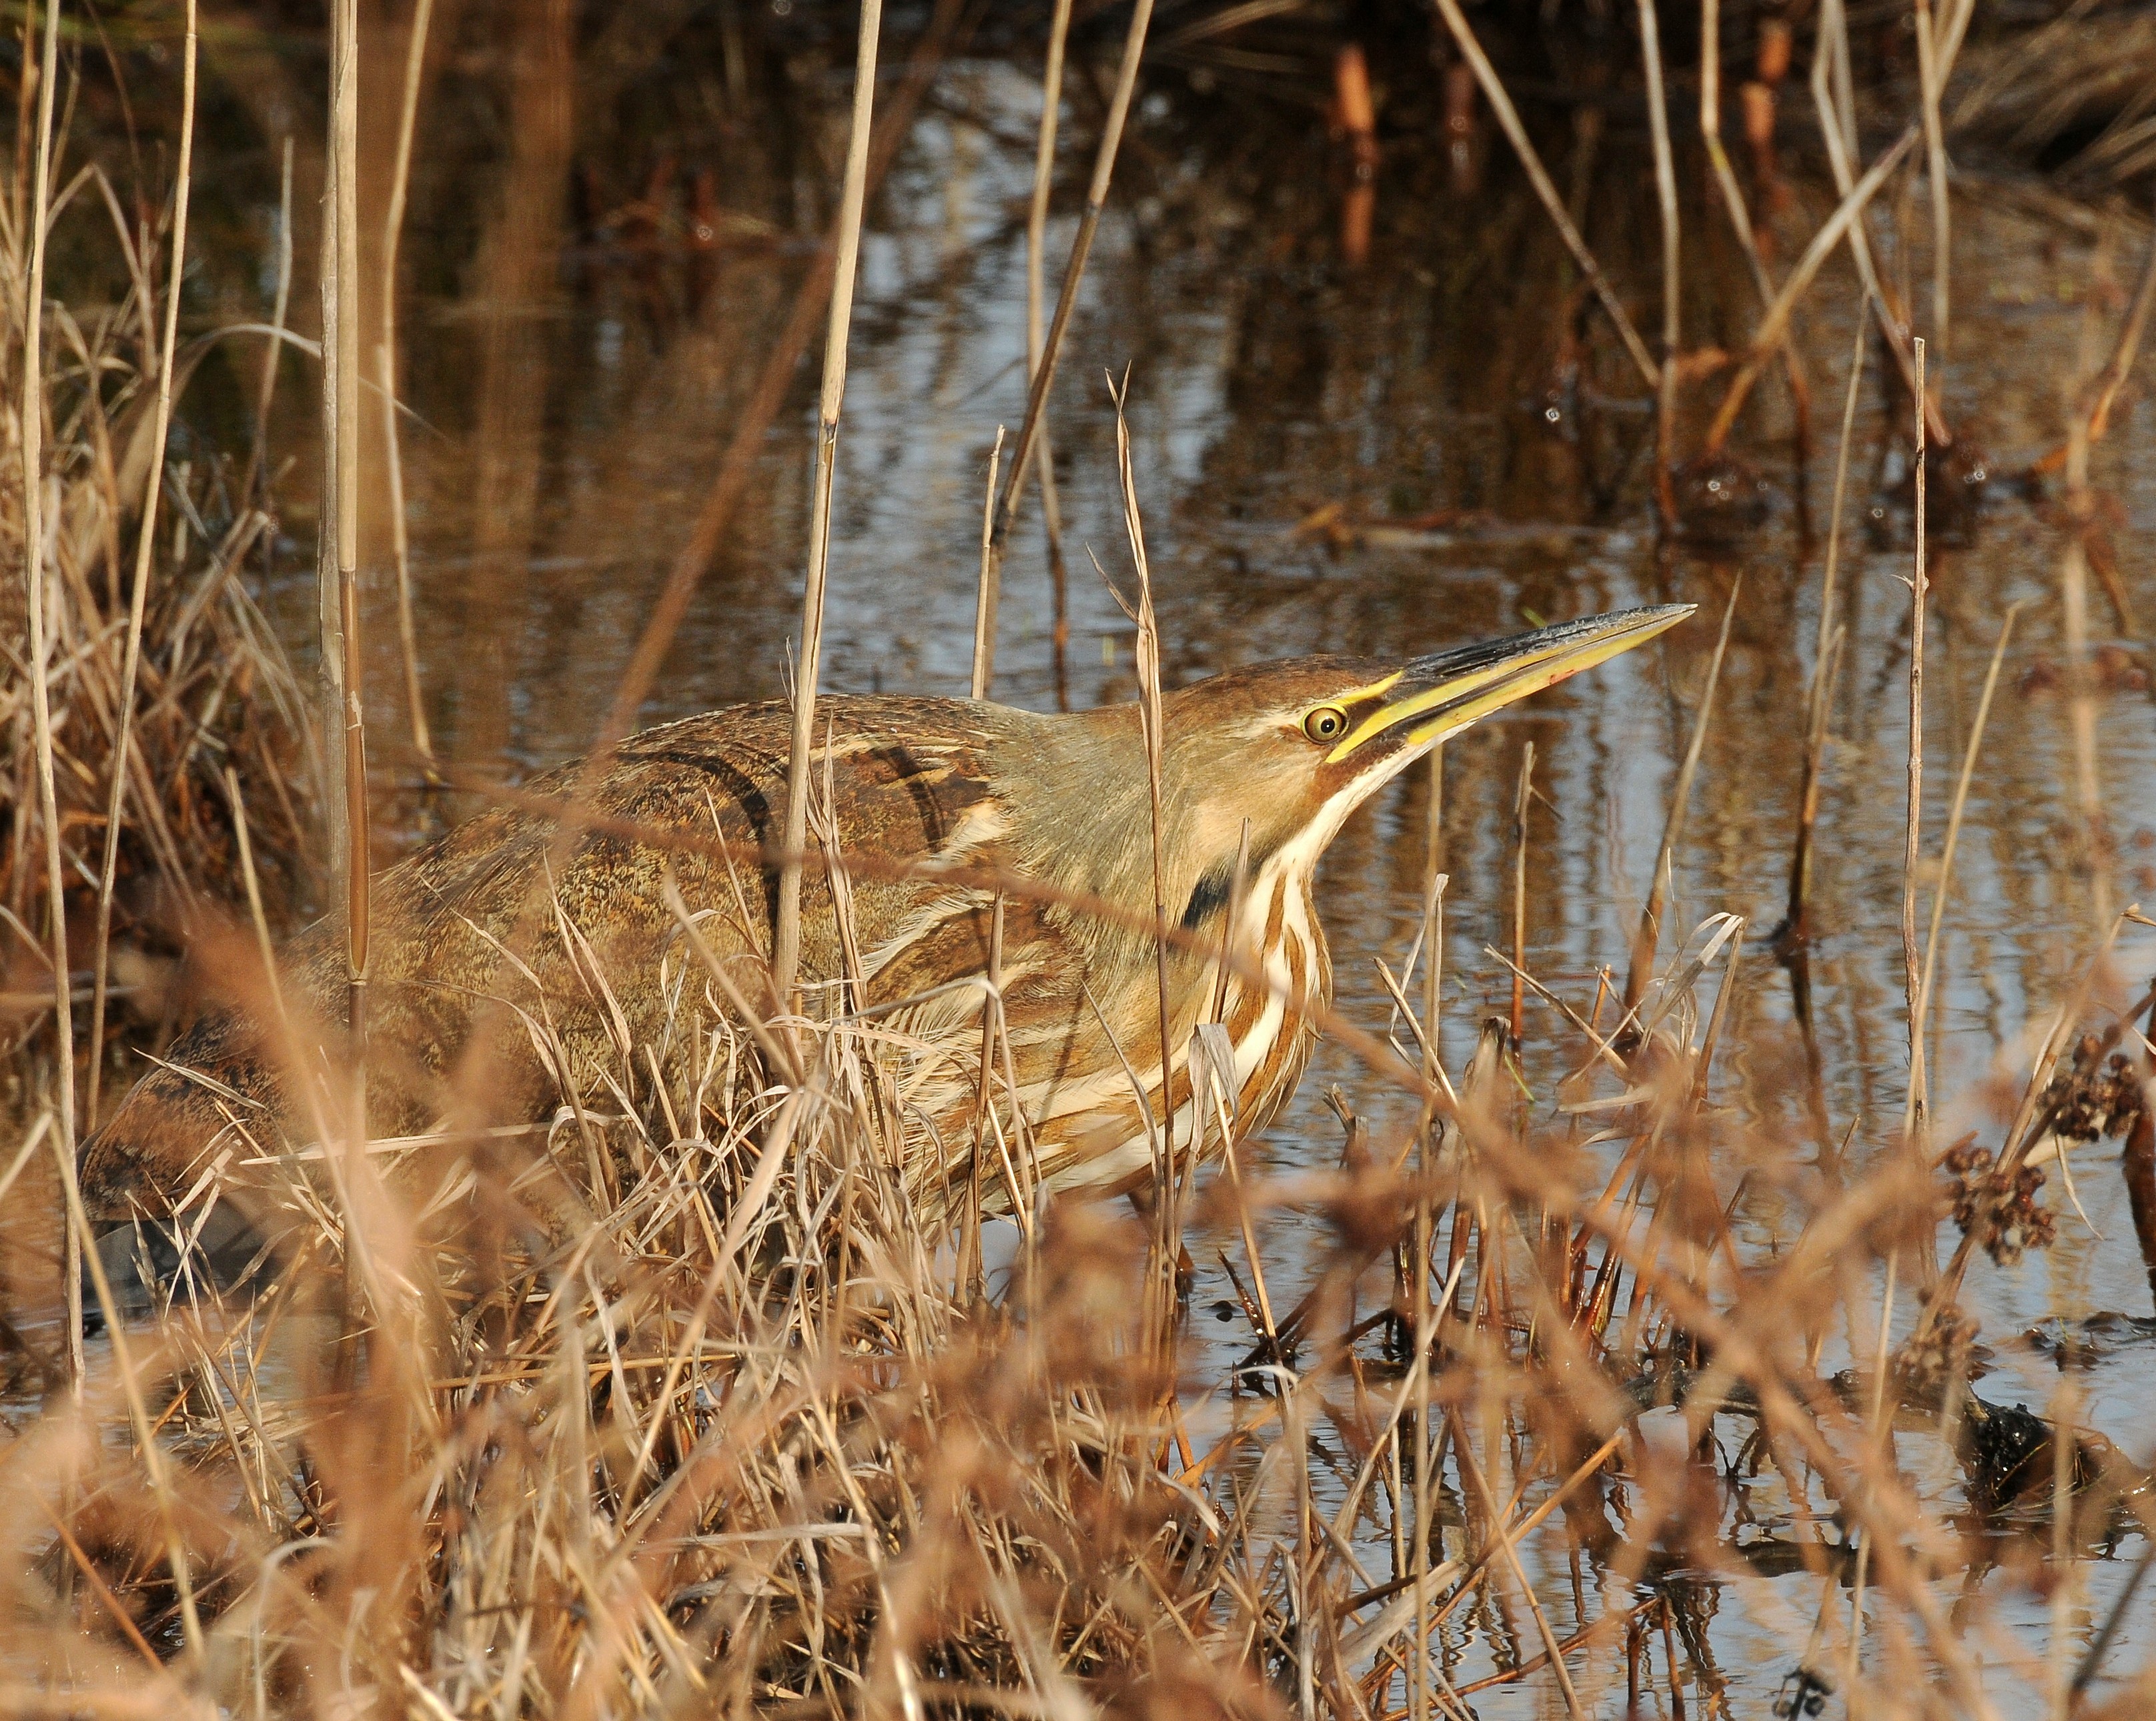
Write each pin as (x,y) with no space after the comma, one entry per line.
(954,819)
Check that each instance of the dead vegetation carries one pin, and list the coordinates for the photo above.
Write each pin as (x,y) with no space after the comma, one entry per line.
(751,1439)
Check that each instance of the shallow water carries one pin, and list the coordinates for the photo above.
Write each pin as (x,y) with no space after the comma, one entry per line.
(562,440)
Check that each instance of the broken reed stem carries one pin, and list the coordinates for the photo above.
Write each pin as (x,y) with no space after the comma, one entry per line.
(1925,992)
(41,701)
(1036,258)
(985,602)
(1800,862)
(1919,1100)
(786,943)
(1074,271)
(1648,940)
(131,657)
(393,235)
(1508,119)
(1665,192)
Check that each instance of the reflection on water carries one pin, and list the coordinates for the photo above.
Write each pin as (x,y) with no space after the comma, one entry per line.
(604,242)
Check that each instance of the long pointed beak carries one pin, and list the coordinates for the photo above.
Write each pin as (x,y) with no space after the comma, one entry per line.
(1433,697)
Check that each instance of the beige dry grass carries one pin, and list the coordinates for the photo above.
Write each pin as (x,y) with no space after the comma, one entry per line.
(746,1441)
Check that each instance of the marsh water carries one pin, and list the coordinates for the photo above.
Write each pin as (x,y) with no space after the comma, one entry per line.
(1380,455)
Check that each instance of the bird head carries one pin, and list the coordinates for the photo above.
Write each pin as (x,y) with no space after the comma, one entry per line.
(1295,746)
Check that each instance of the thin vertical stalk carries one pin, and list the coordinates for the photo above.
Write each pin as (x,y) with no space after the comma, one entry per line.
(336,284)
(1648,940)
(1036,254)
(1834,98)
(385,365)
(1939,892)
(972,1280)
(1432,873)
(1146,652)
(340,355)
(786,938)
(1800,862)
(131,659)
(1918,1100)
(985,602)
(2073,596)
(1665,190)
(41,700)
(1089,223)
(1519,1015)
(1929,76)
(1419,1692)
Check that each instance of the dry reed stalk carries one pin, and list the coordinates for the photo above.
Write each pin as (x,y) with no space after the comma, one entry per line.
(1917,1115)
(1834,98)
(338,269)
(1825,652)
(132,664)
(985,602)
(1508,118)
(1665,200)
(385,371)
(1167,1184)
(1036,263)
(1522,802)
(2073,594)
(32,434)
(1647,942)
(1930,81)
(1074,272)
(340,392)
(1945,886)
(786,946)
(1740,215)
(738,464)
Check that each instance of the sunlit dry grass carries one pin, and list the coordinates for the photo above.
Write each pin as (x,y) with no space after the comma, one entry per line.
(676,1403)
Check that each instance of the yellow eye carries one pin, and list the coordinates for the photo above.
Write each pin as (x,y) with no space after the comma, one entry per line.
(1328,722)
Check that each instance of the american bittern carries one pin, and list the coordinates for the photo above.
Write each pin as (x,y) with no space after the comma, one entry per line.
(948,814)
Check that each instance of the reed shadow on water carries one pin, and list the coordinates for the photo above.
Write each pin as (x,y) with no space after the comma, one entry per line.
(1615,1305)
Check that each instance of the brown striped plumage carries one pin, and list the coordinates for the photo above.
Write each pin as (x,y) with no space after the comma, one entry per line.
(933,800)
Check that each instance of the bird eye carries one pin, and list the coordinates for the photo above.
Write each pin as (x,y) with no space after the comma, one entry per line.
(1328,722)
